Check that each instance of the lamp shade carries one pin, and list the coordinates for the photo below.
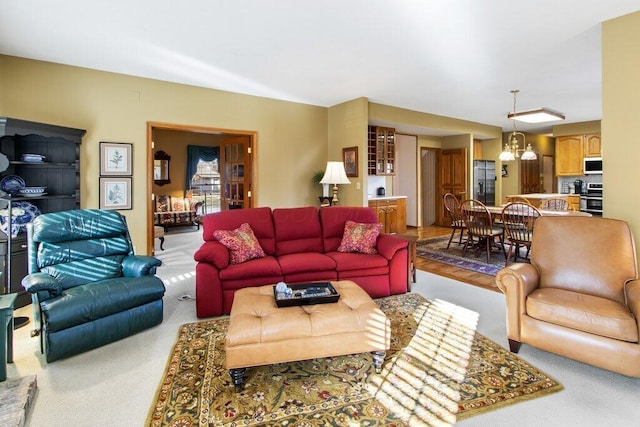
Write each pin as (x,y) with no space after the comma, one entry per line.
(335,174)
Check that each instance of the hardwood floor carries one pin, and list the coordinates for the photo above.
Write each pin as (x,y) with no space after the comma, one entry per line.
(467,276)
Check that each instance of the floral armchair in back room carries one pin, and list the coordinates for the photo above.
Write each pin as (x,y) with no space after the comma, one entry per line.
(171,211)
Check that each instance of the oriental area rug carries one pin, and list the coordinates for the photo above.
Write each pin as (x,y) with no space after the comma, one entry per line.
(435,249)
(439,370)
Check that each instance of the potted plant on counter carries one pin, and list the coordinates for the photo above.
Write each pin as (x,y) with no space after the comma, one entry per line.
(316,178)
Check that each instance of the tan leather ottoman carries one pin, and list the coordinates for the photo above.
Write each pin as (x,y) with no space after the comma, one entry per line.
(261,333)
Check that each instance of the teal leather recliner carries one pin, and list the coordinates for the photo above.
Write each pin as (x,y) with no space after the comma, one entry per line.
(87,286)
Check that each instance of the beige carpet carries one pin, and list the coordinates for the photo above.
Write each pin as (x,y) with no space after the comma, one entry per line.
(438,371)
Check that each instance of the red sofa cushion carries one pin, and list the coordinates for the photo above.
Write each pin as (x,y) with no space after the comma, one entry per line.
(333,219)
(259,267)
(259,219)
(241,242)
(355,261)
(359,237)
(297,230)
(305,261)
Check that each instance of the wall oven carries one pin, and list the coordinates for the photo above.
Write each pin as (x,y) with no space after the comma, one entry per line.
(591,201)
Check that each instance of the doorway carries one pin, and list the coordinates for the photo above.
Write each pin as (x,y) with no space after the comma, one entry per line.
(548,183)
(237,168)
(428,182)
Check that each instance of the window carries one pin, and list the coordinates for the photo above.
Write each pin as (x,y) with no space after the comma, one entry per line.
(205,185)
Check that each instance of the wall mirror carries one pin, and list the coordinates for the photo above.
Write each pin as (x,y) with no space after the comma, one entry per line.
(161,168)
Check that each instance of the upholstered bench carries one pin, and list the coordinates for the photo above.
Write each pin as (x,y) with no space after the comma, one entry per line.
(261,333)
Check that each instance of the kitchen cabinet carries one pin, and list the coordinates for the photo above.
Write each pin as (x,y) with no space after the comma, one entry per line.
(592,145)
(477,150)
(574,203)
(381,151)
(569,155)
(571,151)
(392,214)
(59,172)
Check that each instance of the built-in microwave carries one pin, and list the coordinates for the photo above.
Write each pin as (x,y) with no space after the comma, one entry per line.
(592,165)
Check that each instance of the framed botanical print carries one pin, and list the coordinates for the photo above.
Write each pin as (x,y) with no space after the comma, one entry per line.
(350,159)
(115,193)
(116,159)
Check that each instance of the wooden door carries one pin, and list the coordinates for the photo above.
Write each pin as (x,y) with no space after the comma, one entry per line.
(530,176)
(235,172)
(452,167)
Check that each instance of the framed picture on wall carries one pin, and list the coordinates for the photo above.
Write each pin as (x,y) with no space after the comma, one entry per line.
(116,159)
(115,193)
(505,171)
(350,159)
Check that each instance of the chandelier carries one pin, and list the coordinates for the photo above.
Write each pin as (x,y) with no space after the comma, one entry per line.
(512,148)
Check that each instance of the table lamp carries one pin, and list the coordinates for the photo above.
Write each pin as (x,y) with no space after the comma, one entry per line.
(335,174)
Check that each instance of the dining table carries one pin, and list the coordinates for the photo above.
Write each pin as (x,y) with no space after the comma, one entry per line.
(496,211)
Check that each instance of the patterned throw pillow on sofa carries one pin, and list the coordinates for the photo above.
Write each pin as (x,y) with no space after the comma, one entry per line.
(360,237)
(241,242)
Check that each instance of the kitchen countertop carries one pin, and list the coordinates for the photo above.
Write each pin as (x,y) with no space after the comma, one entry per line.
(542,195)
(386,197)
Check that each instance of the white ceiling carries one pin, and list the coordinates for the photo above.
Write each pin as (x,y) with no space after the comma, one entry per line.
(456,58)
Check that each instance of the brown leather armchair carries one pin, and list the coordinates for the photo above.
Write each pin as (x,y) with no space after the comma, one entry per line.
(580,296)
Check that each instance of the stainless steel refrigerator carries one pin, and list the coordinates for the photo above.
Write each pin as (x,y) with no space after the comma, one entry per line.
(484,181)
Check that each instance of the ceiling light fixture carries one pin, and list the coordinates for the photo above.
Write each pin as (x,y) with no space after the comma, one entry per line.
(511,148)
(539,115)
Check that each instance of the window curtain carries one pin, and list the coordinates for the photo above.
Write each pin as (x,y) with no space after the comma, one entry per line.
(195,153)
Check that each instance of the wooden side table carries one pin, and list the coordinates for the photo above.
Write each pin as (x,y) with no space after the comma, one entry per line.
(411,265)
(6,332)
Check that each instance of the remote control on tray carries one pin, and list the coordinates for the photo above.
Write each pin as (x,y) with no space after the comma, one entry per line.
(306,294)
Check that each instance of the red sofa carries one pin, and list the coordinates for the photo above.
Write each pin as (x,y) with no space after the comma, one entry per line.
(300,246)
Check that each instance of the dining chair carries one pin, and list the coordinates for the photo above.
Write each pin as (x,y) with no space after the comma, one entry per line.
(555,204)
(518,220)
(482,234)
(452,206)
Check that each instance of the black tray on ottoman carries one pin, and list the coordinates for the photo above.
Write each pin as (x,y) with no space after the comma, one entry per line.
(307,294)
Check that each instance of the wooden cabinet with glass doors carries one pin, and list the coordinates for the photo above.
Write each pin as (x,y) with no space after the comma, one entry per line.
(381,157)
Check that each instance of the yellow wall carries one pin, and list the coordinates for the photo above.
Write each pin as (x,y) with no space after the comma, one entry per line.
(348,128)
(429,141)
(291,143)
(620,119)
(581,128)
(391,114)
